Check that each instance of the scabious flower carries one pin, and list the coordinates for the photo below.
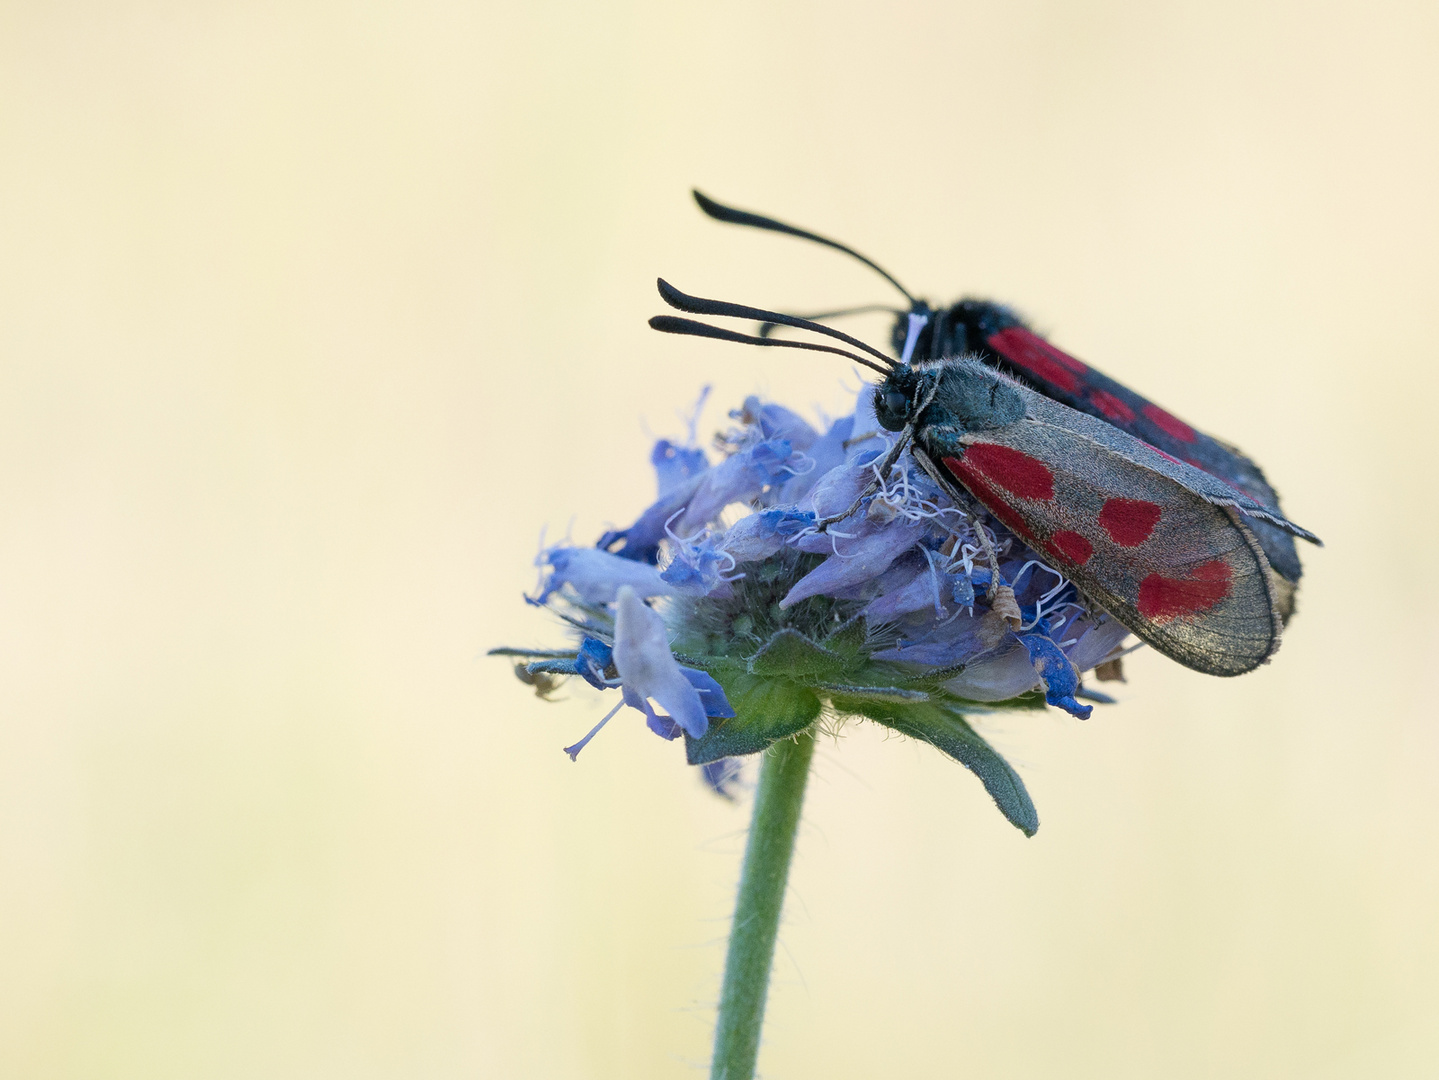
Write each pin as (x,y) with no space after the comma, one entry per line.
(741,608)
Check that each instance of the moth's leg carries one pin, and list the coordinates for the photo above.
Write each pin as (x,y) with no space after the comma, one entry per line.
(888,463)
(946,484)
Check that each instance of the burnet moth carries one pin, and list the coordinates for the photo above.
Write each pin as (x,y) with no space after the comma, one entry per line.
(995,335)
(1162,545)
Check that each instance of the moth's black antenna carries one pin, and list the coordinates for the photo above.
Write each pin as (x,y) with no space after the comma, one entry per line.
(696,305)
(766,329)
(672,324)
(758,221)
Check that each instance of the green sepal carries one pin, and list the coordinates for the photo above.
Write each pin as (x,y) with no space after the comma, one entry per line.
(943,727)
(1032,700)
(791,655)
(849,639)
(766,710)
(895,694)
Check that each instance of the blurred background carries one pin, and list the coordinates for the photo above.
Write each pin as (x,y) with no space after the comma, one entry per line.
(313,315)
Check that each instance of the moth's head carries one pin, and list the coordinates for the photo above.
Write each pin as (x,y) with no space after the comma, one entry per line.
(896,399)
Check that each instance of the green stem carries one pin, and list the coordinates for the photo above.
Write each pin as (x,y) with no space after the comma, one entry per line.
(756,913)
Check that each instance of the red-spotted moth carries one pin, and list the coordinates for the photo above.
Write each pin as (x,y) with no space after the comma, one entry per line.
(1162,545)
(995,335)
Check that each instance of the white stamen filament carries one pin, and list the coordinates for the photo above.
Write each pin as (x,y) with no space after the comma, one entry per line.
(574,751)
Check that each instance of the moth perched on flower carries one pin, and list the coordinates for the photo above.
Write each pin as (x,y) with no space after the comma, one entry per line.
(957,544)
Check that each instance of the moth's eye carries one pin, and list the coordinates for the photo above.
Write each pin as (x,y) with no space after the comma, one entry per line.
(895,402)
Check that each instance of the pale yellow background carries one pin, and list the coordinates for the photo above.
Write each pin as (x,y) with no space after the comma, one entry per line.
(312,315)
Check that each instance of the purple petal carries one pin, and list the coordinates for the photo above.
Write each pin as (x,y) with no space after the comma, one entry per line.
(914,595)
(957,641)
(722,776)
(596,575)
(1097,639)
(648,668)
(857,559)
(827,453)
(732,480)
(837,490)
(777,422)
(663,726)
(760,535)
(996,678)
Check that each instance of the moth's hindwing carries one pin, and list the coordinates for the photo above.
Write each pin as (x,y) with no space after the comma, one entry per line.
(1183,573)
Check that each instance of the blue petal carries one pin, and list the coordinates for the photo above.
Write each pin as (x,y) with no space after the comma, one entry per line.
(593,657)
(732,480)
(722,776)
(917,594)
(642,539)
(589,663)
(716,705)
(676,464)
(1056,673)
(768,459)
(663,726)
(961,590)
(961,640)
(1098,637)
(741,477)
(697,568)
(837,490)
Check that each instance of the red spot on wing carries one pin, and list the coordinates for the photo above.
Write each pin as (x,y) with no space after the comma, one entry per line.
(1070,545)
(1162,598)
(1112,407)
(1129,522)
(1008,468)
(1038,357)
(1170,424)
(993,501)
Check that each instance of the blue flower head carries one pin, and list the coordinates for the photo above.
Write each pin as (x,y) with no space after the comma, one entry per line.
(741,607)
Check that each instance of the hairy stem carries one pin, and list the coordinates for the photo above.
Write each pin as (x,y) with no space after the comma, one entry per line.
(757,909)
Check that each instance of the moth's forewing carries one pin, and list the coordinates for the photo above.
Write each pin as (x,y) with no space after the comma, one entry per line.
(1042,411)
(1181,571)
(1013,347)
